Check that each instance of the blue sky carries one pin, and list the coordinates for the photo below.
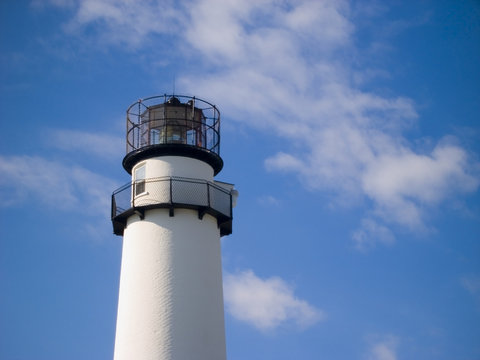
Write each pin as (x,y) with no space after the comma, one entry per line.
(350,129)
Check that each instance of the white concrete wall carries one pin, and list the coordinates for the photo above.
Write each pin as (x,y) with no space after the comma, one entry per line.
(177,166)
(171,298)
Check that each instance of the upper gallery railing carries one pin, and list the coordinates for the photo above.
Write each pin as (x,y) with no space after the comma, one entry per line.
(172,192)
(173,119)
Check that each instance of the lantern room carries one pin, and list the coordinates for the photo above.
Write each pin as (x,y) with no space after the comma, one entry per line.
(173,125)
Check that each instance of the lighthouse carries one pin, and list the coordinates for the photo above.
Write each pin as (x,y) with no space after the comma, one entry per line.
(171,216)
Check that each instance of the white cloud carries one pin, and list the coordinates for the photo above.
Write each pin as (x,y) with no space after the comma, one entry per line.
(384,349)
(269,200)
(401,184)
(472,284)
(370,234)
(126,22)
(40,4)
(310,18)
(350,141)
(104,146)
(284,162)
(426,177)
(66,187)
(266,303)
(286,68)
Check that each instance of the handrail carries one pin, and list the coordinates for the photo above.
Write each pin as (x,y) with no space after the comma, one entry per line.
(176,192)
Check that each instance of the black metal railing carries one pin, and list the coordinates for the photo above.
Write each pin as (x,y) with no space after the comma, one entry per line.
(172,192)
(186,120)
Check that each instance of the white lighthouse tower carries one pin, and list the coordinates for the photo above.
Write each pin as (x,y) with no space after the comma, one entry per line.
(172,215)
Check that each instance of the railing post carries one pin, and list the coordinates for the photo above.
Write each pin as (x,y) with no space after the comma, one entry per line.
(114,207)
(216,130)
(132,192)
(171,212)
(208,194)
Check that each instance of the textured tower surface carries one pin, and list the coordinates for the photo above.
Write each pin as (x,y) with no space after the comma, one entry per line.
(171,301)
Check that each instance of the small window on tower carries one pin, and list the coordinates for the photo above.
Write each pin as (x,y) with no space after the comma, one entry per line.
(154,136)
(191,135)
(139,185)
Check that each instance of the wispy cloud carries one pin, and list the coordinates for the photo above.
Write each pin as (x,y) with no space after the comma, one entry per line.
(267,303)
(293,69)
(104,146)
(370,234)
(40,4)
(349,141)
(124,22)
(268,200)
(66,187)
(401,183)
(471,283)
(384,348)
